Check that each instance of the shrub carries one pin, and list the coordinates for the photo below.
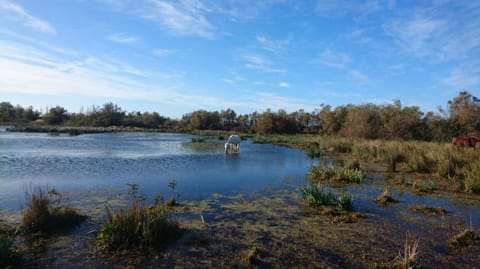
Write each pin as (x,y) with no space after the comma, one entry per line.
(137,226)
(46,213)
(315,152)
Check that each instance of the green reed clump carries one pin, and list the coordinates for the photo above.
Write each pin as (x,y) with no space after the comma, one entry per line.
(6,242)
(425,186)
(197,139)
(45,212)
(317,194)
(345,201)
(138,225)
(315,152)
(322,173)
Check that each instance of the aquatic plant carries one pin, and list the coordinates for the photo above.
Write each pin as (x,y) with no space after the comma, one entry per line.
(429,210)
(345,201)
(472,178)
(317,194)
(277,139)
(6,242)
(464,239)
(323,173)
(45,212)
(197,139)
(410,257)
(425,186)
(385,198)
(314,152)
(137,226)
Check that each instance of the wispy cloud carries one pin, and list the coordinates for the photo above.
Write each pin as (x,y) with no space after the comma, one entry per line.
(274,46)
(163,52)
(356,9)
(446,30)
(334,59)
(186,17)
(123,38)
(415,35)
(259,63)
(20,14)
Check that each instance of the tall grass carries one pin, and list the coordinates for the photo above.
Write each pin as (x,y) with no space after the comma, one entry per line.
(441,159)
(6,242)
(138,225)
(332,173)
(46,212)
(277,139)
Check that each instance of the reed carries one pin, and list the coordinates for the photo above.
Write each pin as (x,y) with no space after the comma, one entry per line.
(6,242)
(138,225)
(46,212)
(320,195)
(331,173)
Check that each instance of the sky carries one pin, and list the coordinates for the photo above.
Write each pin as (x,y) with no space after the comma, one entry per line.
(175,57)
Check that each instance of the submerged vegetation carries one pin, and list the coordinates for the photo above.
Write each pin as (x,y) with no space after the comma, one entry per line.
(139,225)
(46,212)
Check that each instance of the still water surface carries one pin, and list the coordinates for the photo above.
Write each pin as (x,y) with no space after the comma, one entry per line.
(148,159)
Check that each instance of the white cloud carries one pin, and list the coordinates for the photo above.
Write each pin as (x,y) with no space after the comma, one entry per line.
(26,18)
(186,17)
(258,63)
(283,85)
(123,38)
(163,52)
(274,46)
(359,76)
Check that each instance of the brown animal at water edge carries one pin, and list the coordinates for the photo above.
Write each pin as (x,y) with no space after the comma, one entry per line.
(466,141)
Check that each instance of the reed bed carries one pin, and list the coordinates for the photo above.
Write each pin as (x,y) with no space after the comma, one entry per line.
(441,159)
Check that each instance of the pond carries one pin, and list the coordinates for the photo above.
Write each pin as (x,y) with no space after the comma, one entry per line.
(151,160)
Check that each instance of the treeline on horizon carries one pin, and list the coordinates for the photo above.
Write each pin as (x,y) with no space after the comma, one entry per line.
(371,121)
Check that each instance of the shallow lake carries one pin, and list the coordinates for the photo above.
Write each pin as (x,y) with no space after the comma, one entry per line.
(150,160)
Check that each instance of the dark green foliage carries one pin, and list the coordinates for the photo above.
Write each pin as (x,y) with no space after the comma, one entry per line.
(46,213)
(138,225)
(317,194)
(6,242)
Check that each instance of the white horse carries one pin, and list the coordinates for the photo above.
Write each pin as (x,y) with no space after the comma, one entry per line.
(233,144)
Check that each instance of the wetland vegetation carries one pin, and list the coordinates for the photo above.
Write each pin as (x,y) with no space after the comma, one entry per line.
(371,187)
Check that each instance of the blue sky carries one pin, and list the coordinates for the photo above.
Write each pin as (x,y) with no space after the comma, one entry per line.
(175,57)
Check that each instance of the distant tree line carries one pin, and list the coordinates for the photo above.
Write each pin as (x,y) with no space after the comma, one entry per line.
(371,121)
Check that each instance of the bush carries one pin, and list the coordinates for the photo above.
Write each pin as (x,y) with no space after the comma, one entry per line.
(46,213)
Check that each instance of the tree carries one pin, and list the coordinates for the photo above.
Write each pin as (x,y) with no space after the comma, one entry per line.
(7,112)
(464,113)
(56,115)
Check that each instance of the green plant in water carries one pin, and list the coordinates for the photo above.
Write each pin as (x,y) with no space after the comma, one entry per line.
(197,139)
(425,186)
(322,172)
(351,175)
(317,194)
(173,200)
(137,226)
(46,213)
(315,152)
(345,201)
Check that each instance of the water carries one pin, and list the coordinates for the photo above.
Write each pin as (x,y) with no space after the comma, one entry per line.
(151,160)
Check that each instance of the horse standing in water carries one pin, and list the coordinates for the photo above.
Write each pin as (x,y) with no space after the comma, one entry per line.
(233,144)
(466,141)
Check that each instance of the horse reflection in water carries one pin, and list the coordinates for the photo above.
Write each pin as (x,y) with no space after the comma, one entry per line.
(466,141)
(233,144)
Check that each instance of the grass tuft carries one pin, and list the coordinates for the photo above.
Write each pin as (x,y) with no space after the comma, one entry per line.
(138,225)
(6,242)
(331,173)
(318,195)
(464,239)
(46,213)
